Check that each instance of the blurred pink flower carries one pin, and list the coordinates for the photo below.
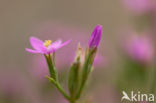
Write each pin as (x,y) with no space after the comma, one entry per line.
(9,85)
(139,47)
(14,85)
(100,61)
(139,6)
(104,94)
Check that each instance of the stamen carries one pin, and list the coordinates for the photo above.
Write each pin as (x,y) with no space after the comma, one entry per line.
(47,43)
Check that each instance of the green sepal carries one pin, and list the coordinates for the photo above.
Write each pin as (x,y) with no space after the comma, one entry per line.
(73,79)
(87,68)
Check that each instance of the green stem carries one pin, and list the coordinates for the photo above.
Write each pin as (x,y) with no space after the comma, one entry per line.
(153,85)
(72,101)
(54,58)
(86,70)
(51,66)
(58,86)
(80,91)
(54,68)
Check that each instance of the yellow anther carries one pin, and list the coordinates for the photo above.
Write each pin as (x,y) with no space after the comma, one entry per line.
(47,43)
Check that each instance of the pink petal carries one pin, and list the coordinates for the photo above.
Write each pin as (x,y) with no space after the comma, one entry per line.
(57,43)
(61,45)
(54,45)
(36,43)
(32,51)
(43,49)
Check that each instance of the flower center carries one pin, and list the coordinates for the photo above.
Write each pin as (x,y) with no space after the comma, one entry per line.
(47,43)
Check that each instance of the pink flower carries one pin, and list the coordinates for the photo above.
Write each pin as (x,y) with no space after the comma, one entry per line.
(46,47)
(139,6)
(100,61)
(15,86)
(139,47)
(38,66)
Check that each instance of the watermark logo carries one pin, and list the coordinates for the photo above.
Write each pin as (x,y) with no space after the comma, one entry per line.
(137,97)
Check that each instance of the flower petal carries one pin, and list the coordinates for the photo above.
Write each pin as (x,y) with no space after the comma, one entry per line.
(32,51)
(65,43)
(36,43)
(43,49)
(61,45)
(56,45)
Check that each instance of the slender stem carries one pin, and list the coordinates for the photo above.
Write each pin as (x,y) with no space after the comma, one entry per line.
(72,101)
(81,89)
(153,85)
(51,66)
(54,58)
(86,70)
(58,86)
(52,61)
(85,74)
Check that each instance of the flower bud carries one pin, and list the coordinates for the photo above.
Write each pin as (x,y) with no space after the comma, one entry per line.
(95,37)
